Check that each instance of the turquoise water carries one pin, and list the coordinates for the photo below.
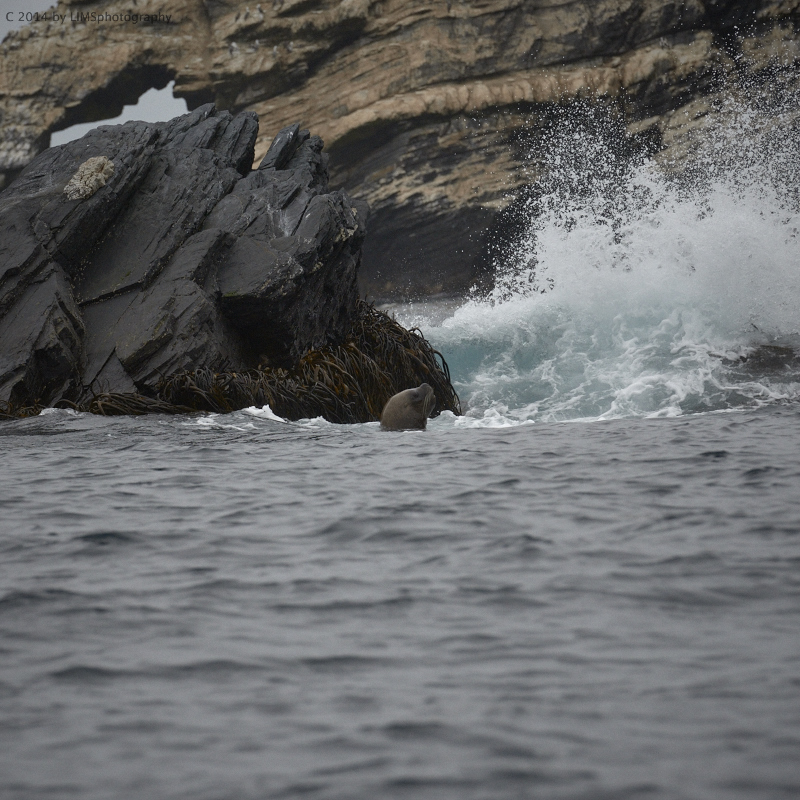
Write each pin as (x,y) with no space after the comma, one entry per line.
(636,293)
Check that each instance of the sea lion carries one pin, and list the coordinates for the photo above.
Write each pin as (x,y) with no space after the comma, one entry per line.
(408,410)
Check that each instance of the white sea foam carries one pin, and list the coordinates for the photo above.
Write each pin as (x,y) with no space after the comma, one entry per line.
(635,294)
(219,421)
(59,412)
(265,412)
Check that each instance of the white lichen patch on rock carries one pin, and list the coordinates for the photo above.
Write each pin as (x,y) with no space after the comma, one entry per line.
(91,176)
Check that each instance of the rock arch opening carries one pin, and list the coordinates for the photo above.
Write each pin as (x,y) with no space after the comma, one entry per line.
(142,95)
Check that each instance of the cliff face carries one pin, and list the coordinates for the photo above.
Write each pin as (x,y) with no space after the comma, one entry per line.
(427,109)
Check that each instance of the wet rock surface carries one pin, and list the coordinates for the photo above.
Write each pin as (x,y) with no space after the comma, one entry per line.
(183,259)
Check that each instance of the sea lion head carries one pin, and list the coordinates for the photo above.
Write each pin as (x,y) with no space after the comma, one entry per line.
(409,410)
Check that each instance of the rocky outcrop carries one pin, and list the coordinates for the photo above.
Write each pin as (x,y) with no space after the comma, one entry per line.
(145,249)
(429,110)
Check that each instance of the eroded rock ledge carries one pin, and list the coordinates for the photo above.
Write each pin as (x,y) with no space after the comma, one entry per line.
(428,108)
(181,258)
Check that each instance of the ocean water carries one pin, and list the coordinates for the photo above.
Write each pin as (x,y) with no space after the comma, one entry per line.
(587,587)
(236,607)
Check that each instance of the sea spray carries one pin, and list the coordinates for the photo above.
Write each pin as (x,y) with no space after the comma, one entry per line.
(636,289)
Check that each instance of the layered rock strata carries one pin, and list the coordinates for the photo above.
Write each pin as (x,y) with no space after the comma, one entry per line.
(430,110)
(145,249)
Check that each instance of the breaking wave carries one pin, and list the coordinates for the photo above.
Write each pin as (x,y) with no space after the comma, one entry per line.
(635,291)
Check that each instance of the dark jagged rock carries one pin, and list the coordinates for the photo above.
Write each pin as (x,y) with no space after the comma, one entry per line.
(184,259)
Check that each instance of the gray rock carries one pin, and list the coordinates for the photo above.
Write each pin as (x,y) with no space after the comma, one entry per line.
(271,288)
(183,258)
(40,338)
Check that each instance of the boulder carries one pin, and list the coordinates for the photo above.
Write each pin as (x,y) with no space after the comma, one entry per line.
(144,249)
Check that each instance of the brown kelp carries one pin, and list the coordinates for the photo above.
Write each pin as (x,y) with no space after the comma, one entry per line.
(10,411)
(346,383)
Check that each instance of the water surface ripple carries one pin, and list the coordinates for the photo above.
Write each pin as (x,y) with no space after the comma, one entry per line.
(231,607)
